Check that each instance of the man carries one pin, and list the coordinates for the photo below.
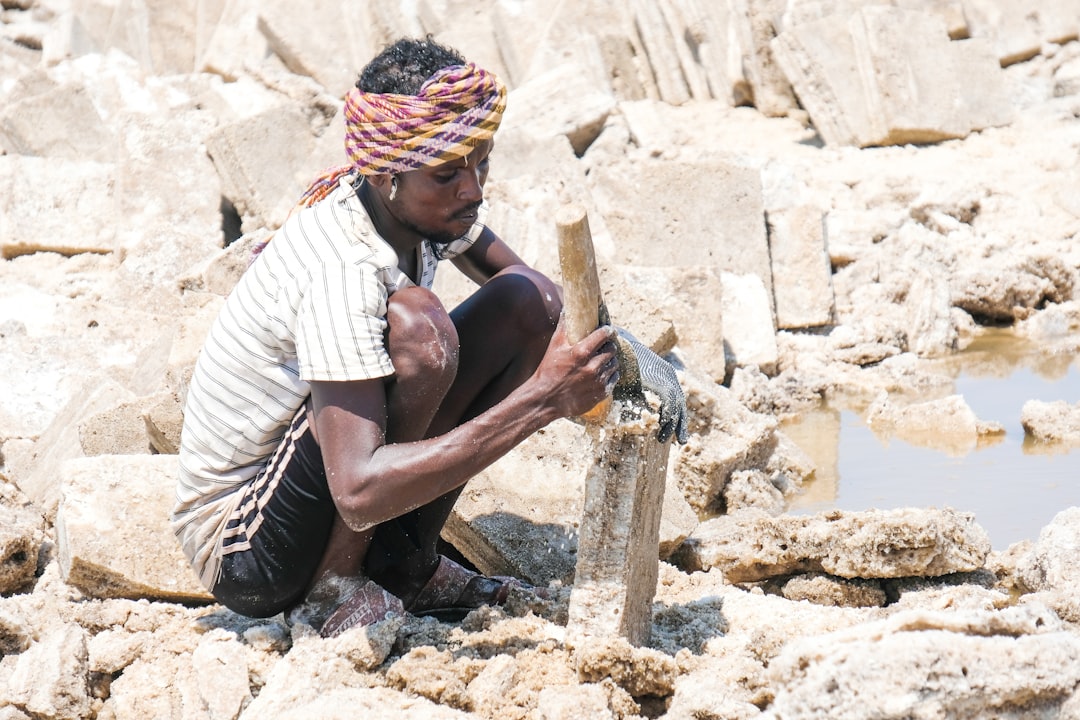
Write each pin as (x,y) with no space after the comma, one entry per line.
(337,408)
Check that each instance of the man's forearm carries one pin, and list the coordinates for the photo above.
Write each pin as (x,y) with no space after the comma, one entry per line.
(400,477)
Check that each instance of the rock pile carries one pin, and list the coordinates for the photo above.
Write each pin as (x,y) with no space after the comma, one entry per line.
(797,200)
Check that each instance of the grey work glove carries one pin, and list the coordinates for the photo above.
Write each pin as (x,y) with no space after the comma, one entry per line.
(658,376)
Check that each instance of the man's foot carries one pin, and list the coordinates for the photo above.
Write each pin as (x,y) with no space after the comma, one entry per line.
(367,605)
(454,591)
(338,604)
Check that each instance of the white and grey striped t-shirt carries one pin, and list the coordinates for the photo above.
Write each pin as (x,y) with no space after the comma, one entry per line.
(312,306)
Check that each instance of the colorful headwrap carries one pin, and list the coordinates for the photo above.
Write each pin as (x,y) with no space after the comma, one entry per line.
(456,109)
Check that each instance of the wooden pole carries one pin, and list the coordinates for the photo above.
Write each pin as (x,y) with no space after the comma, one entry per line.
(581,285)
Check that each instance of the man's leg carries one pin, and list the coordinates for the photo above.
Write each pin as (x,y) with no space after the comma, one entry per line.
(423,344)
(503,331)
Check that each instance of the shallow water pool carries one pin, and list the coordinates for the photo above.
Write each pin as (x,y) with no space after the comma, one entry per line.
(1013,485)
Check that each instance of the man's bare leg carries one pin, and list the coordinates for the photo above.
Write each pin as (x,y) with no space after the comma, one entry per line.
(503,329)
(423,344)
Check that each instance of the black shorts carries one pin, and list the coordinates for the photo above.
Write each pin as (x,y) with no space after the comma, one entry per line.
(276,537)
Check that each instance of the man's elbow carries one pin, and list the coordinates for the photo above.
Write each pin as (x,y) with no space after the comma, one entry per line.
(362,509)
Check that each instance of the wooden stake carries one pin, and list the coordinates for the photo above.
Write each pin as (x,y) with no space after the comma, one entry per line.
(581,285)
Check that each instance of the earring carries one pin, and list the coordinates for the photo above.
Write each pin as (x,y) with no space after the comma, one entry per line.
(393,188)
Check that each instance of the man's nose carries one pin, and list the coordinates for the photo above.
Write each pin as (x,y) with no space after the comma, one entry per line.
(471,187)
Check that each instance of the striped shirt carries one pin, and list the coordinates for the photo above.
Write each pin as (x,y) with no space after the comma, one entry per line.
(312,306)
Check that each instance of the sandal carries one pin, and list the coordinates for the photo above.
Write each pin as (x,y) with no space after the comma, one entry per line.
(441,597)
(366,605)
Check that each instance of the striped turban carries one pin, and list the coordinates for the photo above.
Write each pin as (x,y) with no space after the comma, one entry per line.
(456,109)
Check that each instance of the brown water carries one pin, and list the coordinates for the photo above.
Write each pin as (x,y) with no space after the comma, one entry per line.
(1014,486)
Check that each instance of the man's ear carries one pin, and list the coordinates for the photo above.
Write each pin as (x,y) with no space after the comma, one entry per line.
(381,181)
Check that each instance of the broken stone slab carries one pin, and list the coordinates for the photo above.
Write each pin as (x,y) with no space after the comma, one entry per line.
(1018,30)
(1055,423)
(234,43)
(21,534)
(51,677)
(222,674)
(618,540)
(162,37)
(923,667)
(823,589)
(66,208)
(263,186)
(16,632)
(661,52)
(931,330)
(61,123)
(846,73)
(532,39)
(333,665)
(749,325)
(43,385)
(1052,563)
(941,75)
(521,516)
(751,545)
(652,208)
(950,11)
(669,307)
(219,273)
(947,424)
(755,26)
(565,100)
(731,438)
(641,671)
(677,520)
(801,270)
(570,702)
(345,701)
(330,41)
(708,49)
(38,475)
(1012,290)
(113,537)
(752,489)
(119,430)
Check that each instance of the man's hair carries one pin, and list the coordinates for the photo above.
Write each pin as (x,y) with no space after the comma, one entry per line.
(403,67)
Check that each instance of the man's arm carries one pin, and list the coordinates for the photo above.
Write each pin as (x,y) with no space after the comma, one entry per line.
(486,257)
(372,481)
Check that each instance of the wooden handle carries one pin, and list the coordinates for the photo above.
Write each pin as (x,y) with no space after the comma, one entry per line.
(581,285)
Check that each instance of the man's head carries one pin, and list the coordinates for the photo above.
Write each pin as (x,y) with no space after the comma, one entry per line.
(419,127)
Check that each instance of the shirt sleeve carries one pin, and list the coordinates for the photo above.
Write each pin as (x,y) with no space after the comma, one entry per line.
(340,325)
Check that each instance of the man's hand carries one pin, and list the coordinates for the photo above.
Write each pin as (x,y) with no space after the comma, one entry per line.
(579,376)
(658,376)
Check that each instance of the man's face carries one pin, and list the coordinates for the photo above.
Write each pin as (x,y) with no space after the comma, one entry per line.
(441,202)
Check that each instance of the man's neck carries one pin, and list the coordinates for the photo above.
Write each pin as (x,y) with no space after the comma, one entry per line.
(397,236)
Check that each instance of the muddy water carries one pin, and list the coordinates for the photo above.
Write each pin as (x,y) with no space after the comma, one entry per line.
(1013,485)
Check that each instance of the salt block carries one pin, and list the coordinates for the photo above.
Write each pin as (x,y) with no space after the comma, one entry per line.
(618,542)
(112,529)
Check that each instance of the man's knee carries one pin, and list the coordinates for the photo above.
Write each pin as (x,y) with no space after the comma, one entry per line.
(421,336)
(531,296)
